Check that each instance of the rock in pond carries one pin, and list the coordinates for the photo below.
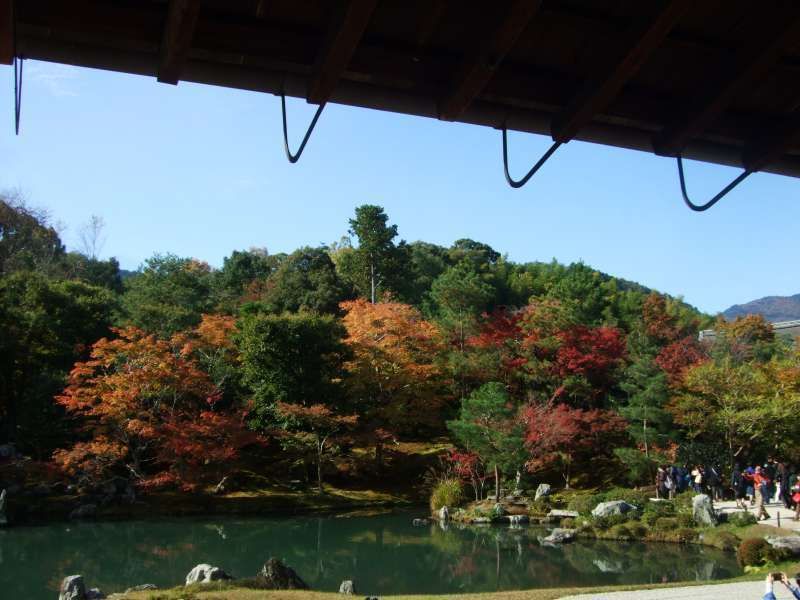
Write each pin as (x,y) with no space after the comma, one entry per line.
(614,507)
(789,542)
(481,521)
(444,514)
(703,511)
(419,522)
(275,575)
(72,588)
(563,514)
(204,573)
(517,519)
(3,518)
(542,491)
(84,511)
(347,587)
(559,536)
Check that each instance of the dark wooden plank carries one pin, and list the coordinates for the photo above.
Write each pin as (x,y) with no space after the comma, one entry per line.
(6,32)
(344,33)
(761,153)
(477,70)
(731,78)
(642,39)
(177,38)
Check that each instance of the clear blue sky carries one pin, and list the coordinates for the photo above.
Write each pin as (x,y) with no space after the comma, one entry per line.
(200,171)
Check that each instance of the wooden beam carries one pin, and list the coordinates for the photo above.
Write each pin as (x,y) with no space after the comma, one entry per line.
(734,75)
(771,147)
(6,32)
(642,39)
(344,33)
(177,38)
(477,70)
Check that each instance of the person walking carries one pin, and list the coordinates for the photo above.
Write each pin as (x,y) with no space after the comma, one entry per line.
(796,499)
(739,486)
(697,479)
(761,484)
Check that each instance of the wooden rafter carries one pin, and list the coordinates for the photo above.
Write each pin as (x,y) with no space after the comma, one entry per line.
(598,93)
(771,147)
(477,70)
(177,38)
(344,33)
(6,32)
(734,75)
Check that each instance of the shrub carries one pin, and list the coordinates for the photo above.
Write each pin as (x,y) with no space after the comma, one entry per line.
(584,503)
(638,498)
(752,552)
(568,523)
(742,519)
(724,540)
(637,529)
(609,521)
(539,507)
(620,532)
(656,510)
(446,492)
(665,524)
(686,520)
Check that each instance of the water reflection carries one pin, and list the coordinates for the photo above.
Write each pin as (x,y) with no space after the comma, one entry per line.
(383,554)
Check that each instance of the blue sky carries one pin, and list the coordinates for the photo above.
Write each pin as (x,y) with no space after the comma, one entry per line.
(200,171)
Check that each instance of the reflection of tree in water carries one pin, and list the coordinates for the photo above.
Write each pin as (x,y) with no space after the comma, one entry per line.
(383,554)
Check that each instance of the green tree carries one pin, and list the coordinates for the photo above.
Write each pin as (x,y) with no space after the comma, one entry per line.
(47,325)
(380,265)
(460,295)
(305,281)
(169,294)
(28,242)
(488,425)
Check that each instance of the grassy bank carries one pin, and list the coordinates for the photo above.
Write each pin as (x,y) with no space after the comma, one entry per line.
(231,592)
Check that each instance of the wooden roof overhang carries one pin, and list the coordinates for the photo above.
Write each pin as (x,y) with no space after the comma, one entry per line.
(713,80)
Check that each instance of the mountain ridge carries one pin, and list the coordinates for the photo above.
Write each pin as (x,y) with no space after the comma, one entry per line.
(772,308)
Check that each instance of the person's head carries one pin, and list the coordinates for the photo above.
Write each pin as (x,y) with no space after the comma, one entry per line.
(758,469)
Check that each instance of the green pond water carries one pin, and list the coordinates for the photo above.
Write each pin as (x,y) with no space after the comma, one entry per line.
(384,554)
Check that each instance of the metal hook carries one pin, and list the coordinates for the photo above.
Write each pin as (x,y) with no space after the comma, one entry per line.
(536,167)
(293,158)
(18,62)
(715,199)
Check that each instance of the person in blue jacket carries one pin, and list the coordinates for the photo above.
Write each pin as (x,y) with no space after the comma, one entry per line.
(770,595)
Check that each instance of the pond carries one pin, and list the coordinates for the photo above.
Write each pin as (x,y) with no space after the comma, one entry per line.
(384,554)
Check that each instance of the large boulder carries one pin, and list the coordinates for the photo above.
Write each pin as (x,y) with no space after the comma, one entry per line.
(275,575)
(444,514)
(703,511)
(611,508)
(205,573)
(84,511)
(563,514)
(542,491)
(559,536)
(789,542)
(72,588)
(3,518)
(347,587)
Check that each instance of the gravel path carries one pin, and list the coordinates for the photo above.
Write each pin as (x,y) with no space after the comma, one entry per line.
(749,590)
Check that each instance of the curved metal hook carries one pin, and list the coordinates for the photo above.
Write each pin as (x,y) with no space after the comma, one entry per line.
(293,158)
(536,167)
(18,62)
(715,199)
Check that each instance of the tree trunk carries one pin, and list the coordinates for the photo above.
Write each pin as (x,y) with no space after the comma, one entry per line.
(379,456)
(372,281)
(320,450)
(496,484)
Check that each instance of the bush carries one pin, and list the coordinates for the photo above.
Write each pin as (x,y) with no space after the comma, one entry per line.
(609,521)
(752,552)
(724,540)
(620,532)
(446,492)
(684,535)
(637,529)
(665,524)
(639,498)
(539,507)
(568,523)
(742,519)
(656,510)
(686,520)
(584,503)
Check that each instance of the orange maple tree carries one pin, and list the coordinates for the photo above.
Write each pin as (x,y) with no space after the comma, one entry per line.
(393,375)
(147,408)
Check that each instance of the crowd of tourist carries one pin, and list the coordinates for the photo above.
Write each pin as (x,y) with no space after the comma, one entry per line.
(753,486)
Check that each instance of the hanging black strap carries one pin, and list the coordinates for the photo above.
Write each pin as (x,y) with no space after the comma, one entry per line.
(293,158)
(518,184)
(18,63)
(715,199)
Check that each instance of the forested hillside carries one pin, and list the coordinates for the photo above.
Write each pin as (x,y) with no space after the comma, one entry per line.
(772,308)
(314,364)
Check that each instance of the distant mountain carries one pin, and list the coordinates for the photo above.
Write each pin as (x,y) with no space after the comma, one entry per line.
(772,308)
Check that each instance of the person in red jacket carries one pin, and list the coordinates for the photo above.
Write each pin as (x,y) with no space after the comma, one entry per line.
(761,484)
